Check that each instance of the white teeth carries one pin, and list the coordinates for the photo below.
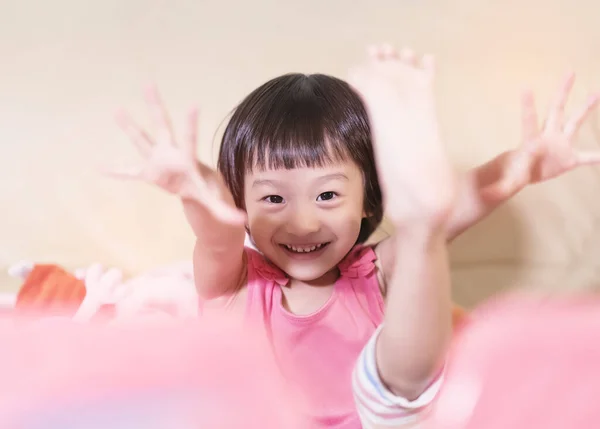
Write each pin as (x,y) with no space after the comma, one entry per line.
(300,249)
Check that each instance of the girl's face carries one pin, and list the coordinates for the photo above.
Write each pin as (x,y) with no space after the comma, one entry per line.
(305,220)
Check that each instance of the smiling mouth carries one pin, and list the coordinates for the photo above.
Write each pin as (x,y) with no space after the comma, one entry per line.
(304,249)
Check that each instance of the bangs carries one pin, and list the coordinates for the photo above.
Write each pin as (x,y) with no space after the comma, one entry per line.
(294,142)
(299,130)
(300,121)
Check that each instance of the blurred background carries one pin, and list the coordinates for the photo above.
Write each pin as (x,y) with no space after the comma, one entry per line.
(68,66)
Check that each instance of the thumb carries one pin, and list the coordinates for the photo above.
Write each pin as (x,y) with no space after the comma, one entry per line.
(514,177)
(498,192)
(226,213)
(216,206)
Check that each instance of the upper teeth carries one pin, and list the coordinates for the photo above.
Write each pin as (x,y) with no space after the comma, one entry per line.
(304,249)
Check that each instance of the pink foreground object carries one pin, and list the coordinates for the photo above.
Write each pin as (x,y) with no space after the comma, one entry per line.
(523,363)
(518,363)
(60,374)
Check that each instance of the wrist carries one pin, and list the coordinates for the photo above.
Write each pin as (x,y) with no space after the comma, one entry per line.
(420,236)
(431,224)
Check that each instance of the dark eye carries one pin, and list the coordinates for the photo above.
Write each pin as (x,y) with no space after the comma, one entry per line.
(273,199)
(326,196)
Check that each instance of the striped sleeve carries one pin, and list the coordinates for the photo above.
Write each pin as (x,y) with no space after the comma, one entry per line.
(376,405)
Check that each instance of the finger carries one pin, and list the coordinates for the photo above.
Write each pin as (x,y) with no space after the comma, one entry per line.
(217,207)
(87,309)
(160,117)
(121,293)
(137,135)
(191,138)
(93,275)
(580,116)
(529,118)
(408,56)
(507,186)
(496,193)
(557,108)
(516,176)
(110,280)
(588,157)
(503,190)
(227,214)
(387,51)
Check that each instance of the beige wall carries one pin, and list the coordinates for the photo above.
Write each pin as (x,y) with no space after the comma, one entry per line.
(68,65)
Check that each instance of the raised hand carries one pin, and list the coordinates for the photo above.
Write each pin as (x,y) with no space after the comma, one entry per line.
(171,164)
(417,178)
(547,150)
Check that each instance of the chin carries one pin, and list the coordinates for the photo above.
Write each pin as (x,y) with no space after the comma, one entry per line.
(306,274)
(305,267)
(307,270)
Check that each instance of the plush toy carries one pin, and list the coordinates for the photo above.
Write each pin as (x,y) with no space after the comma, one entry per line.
(94,292)
(49,290)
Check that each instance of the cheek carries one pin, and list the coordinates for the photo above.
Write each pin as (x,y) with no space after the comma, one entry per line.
(261,224)
(358,212)
(347,220)
(358,205)
(347,230)
(261,228)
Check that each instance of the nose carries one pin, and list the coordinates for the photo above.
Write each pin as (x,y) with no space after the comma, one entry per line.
(303,221)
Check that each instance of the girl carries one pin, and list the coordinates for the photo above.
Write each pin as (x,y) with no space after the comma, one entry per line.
(297,173)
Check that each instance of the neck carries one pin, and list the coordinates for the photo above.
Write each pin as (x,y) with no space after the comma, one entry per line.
(327,279)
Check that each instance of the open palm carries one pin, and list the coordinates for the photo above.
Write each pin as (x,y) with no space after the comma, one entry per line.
(547,151)
(172,165)
(397,88)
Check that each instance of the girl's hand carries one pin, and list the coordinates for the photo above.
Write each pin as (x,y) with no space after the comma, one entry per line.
(172,165)
(546,151)
(416,176)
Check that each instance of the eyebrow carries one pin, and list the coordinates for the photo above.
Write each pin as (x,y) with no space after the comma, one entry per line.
(326,178)
(334,176)
(264,182)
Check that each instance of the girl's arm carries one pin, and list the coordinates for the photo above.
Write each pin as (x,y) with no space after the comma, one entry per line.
(418,184)
(415,325)
(219,265)
(418,313)
(208,205)
(547,150)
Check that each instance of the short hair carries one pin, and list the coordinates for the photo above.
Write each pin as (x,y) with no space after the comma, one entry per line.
(299,120)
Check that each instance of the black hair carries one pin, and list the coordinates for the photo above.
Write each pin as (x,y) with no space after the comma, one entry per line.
(299,120)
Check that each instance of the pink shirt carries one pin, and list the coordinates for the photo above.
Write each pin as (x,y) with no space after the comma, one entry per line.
(317,352)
